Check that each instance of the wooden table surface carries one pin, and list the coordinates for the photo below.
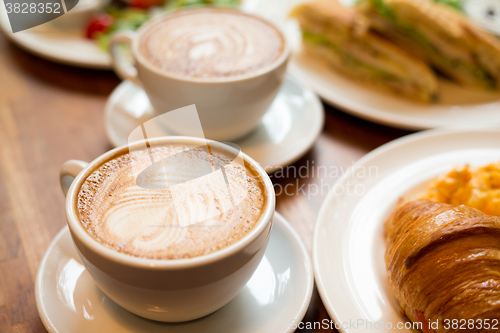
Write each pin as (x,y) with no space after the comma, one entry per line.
(50,113)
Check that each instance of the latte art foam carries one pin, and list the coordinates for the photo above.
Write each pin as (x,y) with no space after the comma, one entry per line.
(211,43)
(147,223)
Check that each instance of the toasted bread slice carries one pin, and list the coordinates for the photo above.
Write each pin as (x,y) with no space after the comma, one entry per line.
(439,35)
(340,35)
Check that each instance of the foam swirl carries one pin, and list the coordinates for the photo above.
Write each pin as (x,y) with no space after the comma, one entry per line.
(211,43)
(149,222)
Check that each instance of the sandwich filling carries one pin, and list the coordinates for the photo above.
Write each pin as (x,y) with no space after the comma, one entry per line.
(340,36)
(347,58)
(439,35)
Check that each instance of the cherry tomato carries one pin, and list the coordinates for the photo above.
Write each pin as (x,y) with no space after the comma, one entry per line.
(98,23)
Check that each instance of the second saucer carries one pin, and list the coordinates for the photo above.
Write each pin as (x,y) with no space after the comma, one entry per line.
(287,131)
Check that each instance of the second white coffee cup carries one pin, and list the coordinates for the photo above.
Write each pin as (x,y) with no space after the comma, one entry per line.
(228,108)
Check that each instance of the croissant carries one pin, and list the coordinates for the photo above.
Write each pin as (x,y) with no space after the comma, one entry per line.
(443,262)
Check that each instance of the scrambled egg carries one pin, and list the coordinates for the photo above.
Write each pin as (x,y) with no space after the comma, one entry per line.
(478,188)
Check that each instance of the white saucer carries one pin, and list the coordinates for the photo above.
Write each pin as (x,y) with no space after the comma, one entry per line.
(278,293)
(287,131)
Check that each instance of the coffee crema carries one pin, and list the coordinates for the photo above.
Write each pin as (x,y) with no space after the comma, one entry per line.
(211,43)
(148,223)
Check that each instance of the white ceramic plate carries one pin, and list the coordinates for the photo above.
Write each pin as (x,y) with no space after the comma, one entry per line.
(278,293)
(348,246)
(485,12)
(64,45)
(287,131)
(68,45)
(457,106)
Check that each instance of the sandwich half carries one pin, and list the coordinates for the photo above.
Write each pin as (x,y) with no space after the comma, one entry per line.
(439,35)
(340,35)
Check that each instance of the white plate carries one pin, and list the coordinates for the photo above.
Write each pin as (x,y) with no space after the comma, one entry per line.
(279,292)
(70,47)
(457,106)
(287,131)
(67,46)
(348,246)
(486,13)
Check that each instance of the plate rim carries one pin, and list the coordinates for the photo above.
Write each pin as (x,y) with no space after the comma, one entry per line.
(50,56)
(55,58)
(318,275)
(293,237)
(375,115)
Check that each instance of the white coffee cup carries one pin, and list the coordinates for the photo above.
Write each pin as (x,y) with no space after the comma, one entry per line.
(167,290)
(228,108)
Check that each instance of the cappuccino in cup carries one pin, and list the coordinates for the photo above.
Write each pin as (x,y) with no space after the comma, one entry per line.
(145,222)
(211,44)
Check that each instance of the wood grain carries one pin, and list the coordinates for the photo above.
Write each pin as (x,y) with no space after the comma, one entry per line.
(50,113)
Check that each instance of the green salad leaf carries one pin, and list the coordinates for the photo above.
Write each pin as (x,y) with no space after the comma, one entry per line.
(128,18)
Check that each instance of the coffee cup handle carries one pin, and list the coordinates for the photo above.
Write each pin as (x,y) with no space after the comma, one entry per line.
(69,170)
(123,65)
